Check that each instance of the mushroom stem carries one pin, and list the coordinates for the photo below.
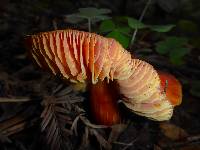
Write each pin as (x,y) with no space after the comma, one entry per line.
(103,103)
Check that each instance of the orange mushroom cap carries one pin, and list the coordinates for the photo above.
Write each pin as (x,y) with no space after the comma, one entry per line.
(172,87)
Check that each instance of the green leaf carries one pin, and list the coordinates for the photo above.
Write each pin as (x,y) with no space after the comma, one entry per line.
(121,38)
(124,30)
(104,11)
(161,28)
(94,11)
(102,17)
(162,47)
(73,18)
(106,26)
(176,42)
(99,18)
(135,24)
(91,12)
(180,52)
(172,44)
(176,55)
(176,60)
(175,48)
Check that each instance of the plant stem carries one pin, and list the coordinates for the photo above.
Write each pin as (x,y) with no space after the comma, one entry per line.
(140,19)
(55,26)
(89,24)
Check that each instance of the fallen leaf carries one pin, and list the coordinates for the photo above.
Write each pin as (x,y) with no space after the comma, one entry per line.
(172,131)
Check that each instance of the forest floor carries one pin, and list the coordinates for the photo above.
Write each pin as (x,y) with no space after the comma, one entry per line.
(26,92)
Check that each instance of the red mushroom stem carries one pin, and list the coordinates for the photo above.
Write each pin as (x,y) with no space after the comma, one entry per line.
(103,103)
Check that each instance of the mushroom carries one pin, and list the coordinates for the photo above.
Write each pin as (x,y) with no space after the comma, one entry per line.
(172,87)
(87,57)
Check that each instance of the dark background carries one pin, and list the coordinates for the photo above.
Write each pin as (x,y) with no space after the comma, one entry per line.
(19,78)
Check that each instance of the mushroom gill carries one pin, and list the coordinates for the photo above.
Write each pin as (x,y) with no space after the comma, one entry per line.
(87,57)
